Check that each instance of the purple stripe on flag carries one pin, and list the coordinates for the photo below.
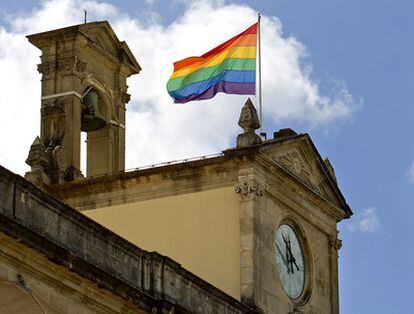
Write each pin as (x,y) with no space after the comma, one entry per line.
(223,87)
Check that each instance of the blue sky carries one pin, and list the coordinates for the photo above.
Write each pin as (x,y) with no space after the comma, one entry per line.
(357,53)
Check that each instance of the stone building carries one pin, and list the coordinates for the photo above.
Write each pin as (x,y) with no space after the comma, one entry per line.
(250,230)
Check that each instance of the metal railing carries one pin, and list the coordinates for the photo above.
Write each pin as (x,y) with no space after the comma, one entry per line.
(162,164)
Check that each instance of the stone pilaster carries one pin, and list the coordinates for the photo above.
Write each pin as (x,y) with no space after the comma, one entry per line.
(250,193)
(335,245)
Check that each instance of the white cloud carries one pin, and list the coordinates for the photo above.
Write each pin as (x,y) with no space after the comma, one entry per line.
(367,221)
(157,130)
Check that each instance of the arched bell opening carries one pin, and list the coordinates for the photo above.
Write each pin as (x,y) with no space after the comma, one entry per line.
(92,119)
(103,147)
(94,130)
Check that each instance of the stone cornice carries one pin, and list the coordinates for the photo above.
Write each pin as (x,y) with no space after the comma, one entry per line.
(127,187)
(186,178)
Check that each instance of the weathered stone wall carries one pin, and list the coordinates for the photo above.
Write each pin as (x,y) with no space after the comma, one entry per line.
(273,182)
(70,239)
(268,198)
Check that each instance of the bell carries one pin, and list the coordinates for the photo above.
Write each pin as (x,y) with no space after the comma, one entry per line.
(91,118)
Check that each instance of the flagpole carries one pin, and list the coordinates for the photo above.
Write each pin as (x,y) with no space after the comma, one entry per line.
(259,73)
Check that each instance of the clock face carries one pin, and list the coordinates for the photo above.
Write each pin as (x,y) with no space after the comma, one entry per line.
(290,261)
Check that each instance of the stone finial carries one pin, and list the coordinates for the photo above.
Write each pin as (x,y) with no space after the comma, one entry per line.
(249,121)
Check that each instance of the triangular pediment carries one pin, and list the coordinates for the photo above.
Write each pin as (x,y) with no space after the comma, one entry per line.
(298,156)
(105,42)
(96,35)
(104,38)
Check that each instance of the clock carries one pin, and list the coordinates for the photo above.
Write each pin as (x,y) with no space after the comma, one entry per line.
(290,261)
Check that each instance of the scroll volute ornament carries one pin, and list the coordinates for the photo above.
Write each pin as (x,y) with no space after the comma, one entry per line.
(248,188)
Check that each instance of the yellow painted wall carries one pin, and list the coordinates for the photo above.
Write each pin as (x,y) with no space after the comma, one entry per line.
(198,230)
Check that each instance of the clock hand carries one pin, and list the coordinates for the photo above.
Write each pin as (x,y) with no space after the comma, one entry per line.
(283,257)
(290,259)
(289,256)
(284,239)
(294,261)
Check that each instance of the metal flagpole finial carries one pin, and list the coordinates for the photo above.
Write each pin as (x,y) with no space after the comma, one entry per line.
(259,16)
(86,14)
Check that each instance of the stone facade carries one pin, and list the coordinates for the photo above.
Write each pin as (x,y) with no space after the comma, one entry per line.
(280,180)
(227,209)
(74,265)
(76,60)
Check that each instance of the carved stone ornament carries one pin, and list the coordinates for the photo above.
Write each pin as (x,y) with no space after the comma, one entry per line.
(71,65)
(294,163)
(125,98)
(335,243)
(80,66)
(248,188)
(58,157)
(54,106)
(54,120)
(47,69)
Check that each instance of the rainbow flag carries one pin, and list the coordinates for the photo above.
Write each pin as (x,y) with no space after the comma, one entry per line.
(229,68)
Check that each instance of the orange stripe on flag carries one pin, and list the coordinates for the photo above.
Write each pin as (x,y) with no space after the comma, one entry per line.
(242,41)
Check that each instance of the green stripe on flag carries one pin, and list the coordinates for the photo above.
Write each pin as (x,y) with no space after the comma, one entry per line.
(209,72)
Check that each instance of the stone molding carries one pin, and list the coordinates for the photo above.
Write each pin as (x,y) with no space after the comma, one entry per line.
(104,190)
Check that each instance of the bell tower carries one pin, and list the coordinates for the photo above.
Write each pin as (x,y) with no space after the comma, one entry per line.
(84,70)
